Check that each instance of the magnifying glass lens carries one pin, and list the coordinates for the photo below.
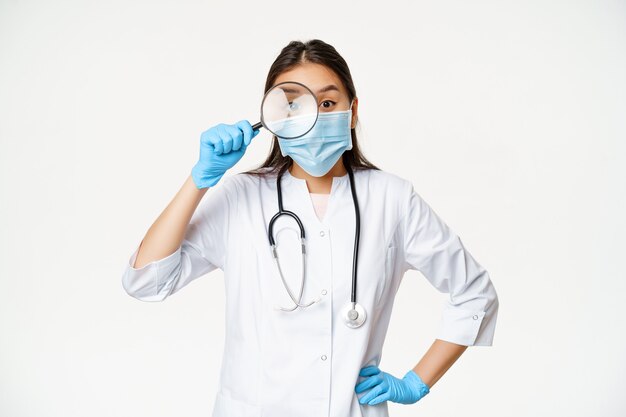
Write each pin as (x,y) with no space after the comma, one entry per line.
(289,110)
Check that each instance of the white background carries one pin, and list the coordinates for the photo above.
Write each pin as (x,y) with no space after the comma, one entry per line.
(508,117)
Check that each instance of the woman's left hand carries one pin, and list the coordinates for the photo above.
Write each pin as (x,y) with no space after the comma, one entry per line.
(384,386)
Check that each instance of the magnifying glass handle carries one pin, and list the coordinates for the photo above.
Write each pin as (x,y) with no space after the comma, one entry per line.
(257,126)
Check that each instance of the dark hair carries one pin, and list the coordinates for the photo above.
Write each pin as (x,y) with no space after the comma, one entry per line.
(318,52)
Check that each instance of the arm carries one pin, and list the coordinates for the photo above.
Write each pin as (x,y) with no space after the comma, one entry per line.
(437,360)
(176,250)
(382,386)
(167,232)
(469,314)
(189,239)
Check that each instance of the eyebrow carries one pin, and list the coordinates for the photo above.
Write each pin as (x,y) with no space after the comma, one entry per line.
(330,87)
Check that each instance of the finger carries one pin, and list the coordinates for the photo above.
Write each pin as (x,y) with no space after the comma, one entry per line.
(227,140)
(205,138)
(379,399)
(213,139)
(248,132)
(371,394)
(369,370)
(368,383)
(237,135)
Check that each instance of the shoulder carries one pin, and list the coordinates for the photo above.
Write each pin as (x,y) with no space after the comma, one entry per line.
(398,189)
(242,181)
(391,183)
(392,191)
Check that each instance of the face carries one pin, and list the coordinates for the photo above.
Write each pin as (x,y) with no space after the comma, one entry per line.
(328,88)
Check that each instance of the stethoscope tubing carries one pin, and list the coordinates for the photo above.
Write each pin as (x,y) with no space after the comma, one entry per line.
(357,233)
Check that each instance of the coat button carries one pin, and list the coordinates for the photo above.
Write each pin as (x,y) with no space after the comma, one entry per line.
(323,292)
(322,233)
(475,317)
(323,357)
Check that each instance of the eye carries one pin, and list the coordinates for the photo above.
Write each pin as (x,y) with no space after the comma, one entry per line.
(294,106)
(328,101)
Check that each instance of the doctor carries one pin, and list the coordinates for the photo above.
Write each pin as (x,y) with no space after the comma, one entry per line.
(302,359)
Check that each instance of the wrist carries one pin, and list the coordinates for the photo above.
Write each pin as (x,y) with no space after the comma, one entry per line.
(201,180)
(416,383)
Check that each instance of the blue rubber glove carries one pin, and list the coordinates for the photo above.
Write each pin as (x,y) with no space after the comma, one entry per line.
(221,147)
(384,386)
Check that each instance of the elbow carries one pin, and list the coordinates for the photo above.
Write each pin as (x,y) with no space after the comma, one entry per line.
(487,329)
(154,281)
(145,284)
(142,293)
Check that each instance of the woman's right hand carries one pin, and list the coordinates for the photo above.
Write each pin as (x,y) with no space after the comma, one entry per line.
(221,147)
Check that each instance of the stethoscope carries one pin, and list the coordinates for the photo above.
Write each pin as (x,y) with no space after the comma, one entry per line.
(353,313)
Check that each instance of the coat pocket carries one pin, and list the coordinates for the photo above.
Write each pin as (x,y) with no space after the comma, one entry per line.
(387,276)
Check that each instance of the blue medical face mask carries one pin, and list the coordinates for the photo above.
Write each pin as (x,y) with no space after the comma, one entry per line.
(319,149)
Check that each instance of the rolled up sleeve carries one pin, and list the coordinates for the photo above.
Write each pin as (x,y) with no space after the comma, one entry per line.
(431,247)
(202,250)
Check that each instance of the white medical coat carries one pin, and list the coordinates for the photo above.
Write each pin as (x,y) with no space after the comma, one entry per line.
(306,362)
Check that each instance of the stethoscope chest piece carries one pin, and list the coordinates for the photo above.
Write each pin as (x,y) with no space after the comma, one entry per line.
(353,316)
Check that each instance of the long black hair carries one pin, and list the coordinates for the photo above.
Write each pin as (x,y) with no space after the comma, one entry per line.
(318,52)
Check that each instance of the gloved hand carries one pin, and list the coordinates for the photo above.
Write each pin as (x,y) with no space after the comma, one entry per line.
(221,147)
(384,386)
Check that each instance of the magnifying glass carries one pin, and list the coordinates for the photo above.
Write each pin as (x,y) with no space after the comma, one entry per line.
(288,110)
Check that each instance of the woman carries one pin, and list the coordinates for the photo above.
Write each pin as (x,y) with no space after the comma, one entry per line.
(297,348)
